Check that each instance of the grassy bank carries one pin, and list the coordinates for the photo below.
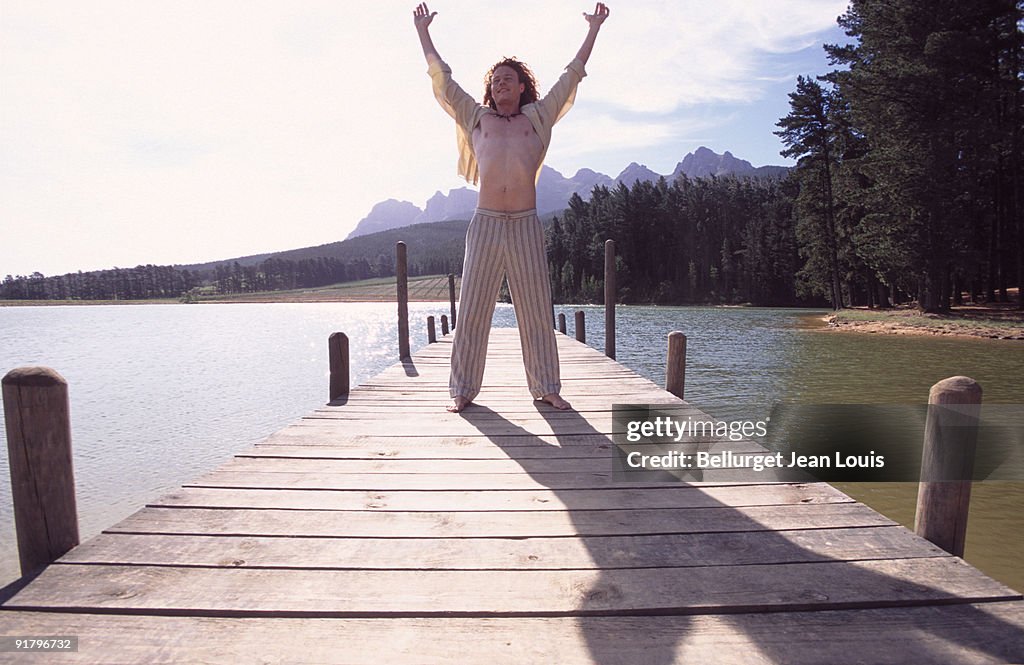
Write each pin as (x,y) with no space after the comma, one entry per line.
(990,320)
(382,289)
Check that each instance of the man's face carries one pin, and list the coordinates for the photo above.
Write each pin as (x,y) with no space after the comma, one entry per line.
(505,86)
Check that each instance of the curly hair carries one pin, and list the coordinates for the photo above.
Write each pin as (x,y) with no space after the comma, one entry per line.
(525,77)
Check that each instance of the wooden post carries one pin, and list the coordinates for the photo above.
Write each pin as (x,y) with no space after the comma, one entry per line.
(337,346)
(444,324)
(451,296)
(431,330)
(42,476)
(402,279)
(581,327)
(609,298)
(947,462)
(561,323)
(675,369)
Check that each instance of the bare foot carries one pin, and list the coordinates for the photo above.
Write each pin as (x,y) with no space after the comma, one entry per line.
(458,404)
(555,400)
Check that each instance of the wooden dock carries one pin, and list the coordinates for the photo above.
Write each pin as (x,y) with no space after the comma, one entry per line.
(385,530)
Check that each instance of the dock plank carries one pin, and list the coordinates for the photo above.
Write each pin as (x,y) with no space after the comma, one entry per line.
(680,496)
(342,593)
(514,524)
(969,634)
(281,548)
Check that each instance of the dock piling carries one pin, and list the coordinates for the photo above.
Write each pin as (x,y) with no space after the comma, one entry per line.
(609,298)
(451,297)
(431,330)
(38,427)
(444,324)
(402,281)
(581,327)
(337,345)
(947,462)
(675,369)
(561,323)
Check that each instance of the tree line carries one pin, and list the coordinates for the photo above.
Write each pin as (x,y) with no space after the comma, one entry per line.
(706,240)
(151,281)
(909,169)
(138,283)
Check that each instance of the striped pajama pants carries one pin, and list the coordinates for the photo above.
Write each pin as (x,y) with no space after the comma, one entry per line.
(500,244)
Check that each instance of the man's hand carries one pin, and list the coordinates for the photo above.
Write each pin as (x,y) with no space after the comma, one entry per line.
(422,16)
(597,18)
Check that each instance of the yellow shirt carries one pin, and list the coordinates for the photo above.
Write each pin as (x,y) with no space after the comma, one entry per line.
(466,111)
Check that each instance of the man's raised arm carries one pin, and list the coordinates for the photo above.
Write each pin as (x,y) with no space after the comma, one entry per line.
(595,20)
(422,17)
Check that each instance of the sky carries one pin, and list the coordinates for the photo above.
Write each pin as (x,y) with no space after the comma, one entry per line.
(136,132)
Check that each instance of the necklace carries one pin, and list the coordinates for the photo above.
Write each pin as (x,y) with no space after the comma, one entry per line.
(508,116)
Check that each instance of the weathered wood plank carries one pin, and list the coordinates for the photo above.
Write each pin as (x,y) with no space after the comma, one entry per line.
(475,452)
(314,433)
(373,407)
(602,451)
(460,427)
(518,524)
(483,414)
(479,481)
(969,634)
(702,590)
(451,464)
(680,497)
(442,466)
(616,393)
(499,401)
(534,553)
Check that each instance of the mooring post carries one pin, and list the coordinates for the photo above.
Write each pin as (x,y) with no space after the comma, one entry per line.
(947,462)
(451,297)
(38,427)
(675,369)
(402,279)
(444,324)
(609,298)
(581,327)
(431,330)
(337,347)
(561,323)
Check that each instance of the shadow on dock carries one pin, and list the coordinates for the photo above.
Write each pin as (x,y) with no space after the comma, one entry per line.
(754,597)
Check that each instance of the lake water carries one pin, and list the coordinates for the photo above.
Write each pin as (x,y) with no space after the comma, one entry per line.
(163,393)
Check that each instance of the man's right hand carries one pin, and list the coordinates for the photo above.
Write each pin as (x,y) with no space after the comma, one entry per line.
(422,16)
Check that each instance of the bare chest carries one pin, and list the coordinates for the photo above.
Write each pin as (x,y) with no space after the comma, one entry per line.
(512,138)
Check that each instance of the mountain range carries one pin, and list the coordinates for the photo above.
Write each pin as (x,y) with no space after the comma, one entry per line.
(554,190)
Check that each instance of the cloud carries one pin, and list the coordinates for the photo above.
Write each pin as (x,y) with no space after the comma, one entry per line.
(608,137)
(690,53)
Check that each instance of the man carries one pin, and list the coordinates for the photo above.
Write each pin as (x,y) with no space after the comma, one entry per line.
(502,144)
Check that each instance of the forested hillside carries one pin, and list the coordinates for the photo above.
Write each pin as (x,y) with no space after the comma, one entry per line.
(433,249)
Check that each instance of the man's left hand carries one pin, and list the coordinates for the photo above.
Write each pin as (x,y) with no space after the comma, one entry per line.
(597,18)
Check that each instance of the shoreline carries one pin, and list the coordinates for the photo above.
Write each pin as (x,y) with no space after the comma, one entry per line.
(1002,322)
